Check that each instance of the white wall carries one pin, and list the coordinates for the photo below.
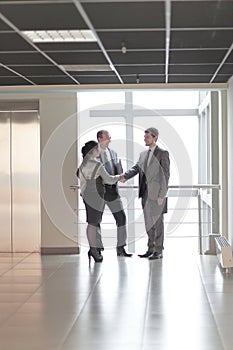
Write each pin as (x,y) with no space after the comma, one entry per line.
(230,158)
(56,126)
(56,108)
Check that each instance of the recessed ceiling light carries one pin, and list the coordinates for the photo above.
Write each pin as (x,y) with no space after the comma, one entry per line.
(54,36)
(86,67)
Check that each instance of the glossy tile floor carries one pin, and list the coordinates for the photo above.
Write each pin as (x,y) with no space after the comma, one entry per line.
(182,302)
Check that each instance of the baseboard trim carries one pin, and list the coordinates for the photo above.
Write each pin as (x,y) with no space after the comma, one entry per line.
(59,250)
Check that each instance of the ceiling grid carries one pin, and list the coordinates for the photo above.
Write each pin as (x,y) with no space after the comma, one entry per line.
(154,41)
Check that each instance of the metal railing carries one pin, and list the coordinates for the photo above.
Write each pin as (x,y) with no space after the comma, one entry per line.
(172,193)
(199,188)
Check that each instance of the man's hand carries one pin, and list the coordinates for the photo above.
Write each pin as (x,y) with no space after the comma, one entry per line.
(122,178)
(160,201)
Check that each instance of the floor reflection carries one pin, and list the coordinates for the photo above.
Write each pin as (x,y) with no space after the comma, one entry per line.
(183,301)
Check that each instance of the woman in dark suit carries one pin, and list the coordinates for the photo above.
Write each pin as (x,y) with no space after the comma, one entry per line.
(93,175)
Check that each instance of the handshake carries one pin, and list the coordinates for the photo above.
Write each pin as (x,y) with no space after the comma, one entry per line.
(122,178)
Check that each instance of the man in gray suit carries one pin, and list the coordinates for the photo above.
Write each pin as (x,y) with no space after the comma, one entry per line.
(112,198)
(153,168)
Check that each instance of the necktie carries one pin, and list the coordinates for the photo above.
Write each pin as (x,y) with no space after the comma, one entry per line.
(107,163)
(146,160)
(143,185)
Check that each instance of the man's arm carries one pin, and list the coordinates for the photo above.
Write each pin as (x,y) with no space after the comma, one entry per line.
(108,179)
(165,167)
(132,172)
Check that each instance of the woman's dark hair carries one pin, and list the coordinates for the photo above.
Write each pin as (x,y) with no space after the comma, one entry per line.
(89,147)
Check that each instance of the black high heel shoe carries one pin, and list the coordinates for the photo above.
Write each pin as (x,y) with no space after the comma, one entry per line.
(95,255)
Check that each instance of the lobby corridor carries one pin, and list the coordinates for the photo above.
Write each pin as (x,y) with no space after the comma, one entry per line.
(182,302)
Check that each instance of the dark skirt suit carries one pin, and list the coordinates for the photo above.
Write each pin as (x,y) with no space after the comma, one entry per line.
(93,175)
(93,198)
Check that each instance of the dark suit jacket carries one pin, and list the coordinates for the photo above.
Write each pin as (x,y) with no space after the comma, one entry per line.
(111,192)
(155,176)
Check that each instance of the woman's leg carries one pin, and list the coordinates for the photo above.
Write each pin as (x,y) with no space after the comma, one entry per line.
(94,218)
(91,235)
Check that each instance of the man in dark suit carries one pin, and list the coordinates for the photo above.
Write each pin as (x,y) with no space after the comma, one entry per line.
(153,168)
(112,198)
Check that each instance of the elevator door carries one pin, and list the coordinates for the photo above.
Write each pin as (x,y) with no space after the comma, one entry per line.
(19,177)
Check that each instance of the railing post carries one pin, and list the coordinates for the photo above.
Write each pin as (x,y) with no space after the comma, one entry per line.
(199,222)
(199,188)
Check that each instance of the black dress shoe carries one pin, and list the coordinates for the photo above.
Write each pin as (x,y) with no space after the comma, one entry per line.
(146,255)
(156,256)
(121,252)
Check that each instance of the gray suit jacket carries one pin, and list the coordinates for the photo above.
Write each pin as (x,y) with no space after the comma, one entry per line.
(116,162)
(155,176)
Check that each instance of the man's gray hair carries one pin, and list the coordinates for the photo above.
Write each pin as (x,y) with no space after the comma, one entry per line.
(154,132)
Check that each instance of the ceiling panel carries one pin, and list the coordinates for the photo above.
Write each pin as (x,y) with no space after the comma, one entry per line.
(11,81)
(193,47)
(91,73)
(222,78)
(226,69)
(37,70)
(191,56)
(192,69)
(145,79)
(69,46)
(52,80)
(78,57)
(41,16)
(204,14)
(14,42)
(137,57)
(6,72)
(141,69)
(201,39)
(140,14)
(133,39)
(230,58)
(4,26)
(23,58)
(98,80)
(189,78)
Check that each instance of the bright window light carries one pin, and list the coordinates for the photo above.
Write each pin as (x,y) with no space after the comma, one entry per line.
(52,36)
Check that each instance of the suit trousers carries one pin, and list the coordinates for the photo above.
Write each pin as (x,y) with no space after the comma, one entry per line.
(114,203)
(154,222)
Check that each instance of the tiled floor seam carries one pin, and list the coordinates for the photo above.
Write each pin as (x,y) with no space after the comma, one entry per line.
(31,294)
(142,346)
(211,308)
(63,341)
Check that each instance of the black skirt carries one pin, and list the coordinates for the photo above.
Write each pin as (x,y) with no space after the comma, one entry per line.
(93,199)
